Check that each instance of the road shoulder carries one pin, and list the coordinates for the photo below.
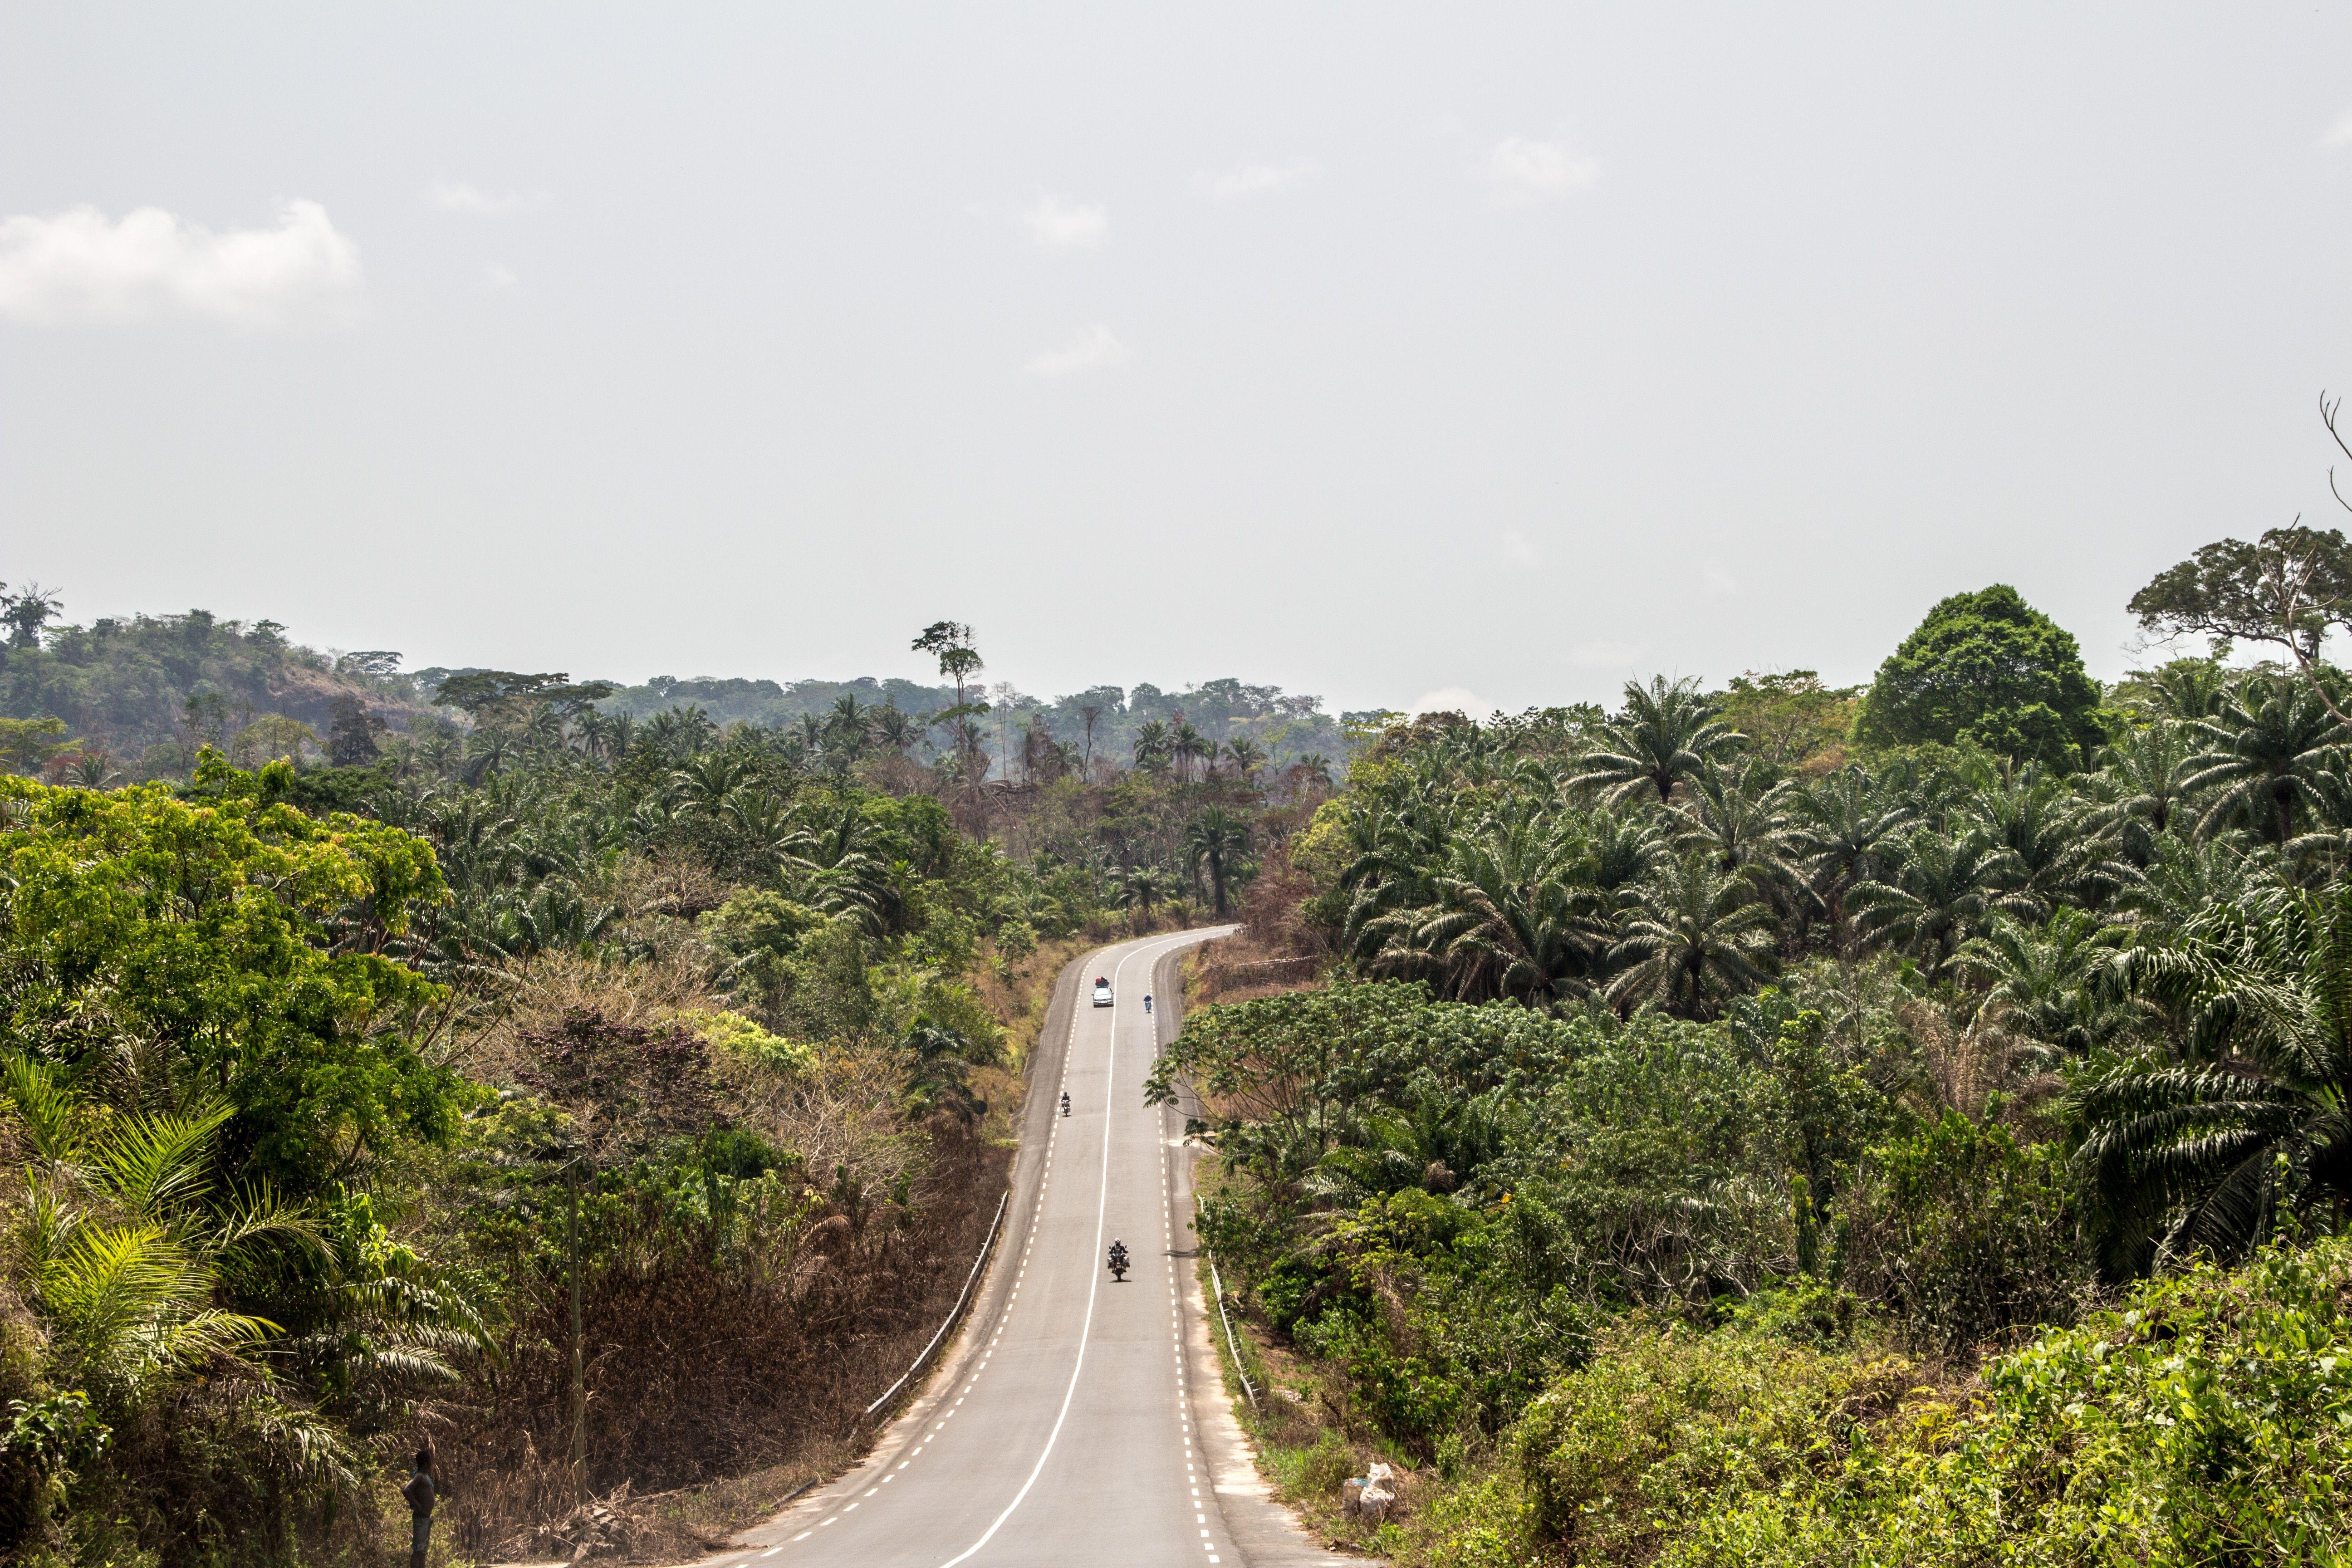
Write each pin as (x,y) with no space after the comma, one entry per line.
(1264,1530)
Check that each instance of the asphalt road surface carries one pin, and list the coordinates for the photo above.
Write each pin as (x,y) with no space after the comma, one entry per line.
(1077,1420)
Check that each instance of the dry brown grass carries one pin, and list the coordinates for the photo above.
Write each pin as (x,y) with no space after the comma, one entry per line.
(708,1370)
(537,994)
(1276,951)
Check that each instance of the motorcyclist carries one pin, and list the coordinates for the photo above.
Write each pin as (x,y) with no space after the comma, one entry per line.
(1066,1102)
(1117,1257)
(1147,1001)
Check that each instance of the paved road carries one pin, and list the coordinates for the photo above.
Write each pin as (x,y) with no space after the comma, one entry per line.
(1077,1420)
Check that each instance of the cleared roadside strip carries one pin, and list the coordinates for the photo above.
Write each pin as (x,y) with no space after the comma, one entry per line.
(954,1312)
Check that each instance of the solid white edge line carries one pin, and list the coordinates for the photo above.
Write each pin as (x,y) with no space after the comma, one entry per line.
(1094,1282)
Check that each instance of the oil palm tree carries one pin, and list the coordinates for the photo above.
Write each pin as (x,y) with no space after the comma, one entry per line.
(2057,983)
(763,834)
(1738,814)
(125,1242)
(2064,850)
(1939,892)
(1693,937)
(1511,915)
(1216,839)
(1247,756)
(1667,733)
(93,770)
(1150,744)
(895,728)
(2146,773)
(1141,887)
(2247,1122)
(2264,749)
(1186,746)
(1843,831)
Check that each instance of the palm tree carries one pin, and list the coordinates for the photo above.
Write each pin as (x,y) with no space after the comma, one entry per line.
(2250,1121)
(709,779)
(1512,914)
(939,1075)
(124,1241)
(895,728)
(1667,733)
(765,835)
(2144,778)
(2064,849)
(93,770)
(1187,745)
(1736,814)
(1693,936)
(2056,983)
(1246,755)
(1938,894)
(2189,689)
(2264,750)
(489,752)
(848,728)
(1142,887)
(1150,744)
(1841,832)
(1217,839)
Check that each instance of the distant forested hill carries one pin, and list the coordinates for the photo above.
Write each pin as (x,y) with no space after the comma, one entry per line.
(144,693)
(137,696)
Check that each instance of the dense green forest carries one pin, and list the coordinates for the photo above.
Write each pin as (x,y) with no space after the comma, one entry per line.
(1782,1125)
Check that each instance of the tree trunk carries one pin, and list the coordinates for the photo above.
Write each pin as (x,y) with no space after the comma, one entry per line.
(579,1366)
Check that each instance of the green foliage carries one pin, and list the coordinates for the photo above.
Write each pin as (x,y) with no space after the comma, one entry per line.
(214,931)
(733,1035)
(26,744)
(1791,720)
(2208,1420)
(1989,668)
(150,691)
(1621,1459)
(1962,1236)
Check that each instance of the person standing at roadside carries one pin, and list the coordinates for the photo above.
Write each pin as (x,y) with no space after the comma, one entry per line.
(421,1490)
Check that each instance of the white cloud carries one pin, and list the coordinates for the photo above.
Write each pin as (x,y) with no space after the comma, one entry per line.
(498,277)
(1606,655)
(2340,134)
(1090,350)
(1522,173)
(456,196)
(1519,547)
(1256,179)
(1450,699)
(1057,225)
(81,265)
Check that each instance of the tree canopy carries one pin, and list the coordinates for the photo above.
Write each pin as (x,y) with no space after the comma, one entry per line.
(1989,668)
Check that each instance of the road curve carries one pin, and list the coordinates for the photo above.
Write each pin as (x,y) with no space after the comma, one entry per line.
(1075,1420)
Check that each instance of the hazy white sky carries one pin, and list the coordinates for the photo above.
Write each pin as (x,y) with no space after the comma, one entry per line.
(1374,352)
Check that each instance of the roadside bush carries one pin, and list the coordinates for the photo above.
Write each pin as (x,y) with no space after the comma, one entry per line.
(1618,1458)
(1962,1235)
